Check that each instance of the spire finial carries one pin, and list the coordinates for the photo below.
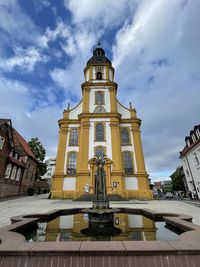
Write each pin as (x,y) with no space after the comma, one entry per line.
(130,104)
(68,107)
(99,43)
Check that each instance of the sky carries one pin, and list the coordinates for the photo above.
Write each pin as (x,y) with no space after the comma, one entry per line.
(154,46)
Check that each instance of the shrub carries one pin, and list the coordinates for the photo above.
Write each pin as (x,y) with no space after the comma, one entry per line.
(30,191)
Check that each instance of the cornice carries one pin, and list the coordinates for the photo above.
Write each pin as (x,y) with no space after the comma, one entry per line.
(99,115)
(87,85)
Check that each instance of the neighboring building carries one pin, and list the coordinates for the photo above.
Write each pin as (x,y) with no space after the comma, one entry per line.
(163,186)
(17,162)
(100,124)
(50,163)
(190,157)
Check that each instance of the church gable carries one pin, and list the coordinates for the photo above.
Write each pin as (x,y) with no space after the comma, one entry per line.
(73,114)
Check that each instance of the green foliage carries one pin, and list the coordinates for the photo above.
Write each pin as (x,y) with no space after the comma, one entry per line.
(39,153)
(41,169)
(37,149)
(30,191)
(177,180)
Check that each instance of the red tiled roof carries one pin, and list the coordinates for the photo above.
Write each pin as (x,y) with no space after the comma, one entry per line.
(24,144)
(21,163)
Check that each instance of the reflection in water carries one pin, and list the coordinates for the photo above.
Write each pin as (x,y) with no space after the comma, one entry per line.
(68,228)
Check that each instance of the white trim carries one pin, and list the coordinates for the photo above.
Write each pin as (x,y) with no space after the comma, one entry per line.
(131,183)
(69,184)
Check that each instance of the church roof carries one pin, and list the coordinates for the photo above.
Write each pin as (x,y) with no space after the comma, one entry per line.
(98,57)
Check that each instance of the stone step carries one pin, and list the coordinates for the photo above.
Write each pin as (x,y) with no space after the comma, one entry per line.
(91,197)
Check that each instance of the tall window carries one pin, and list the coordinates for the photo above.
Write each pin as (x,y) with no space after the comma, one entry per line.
(128,162)
(196,158)
(125,136)
(13,174)
(71,164)
(2,139)
(18,174)
(73,141)
(8,171)
(99,132)
(99,150)
(99,98)
(99,75)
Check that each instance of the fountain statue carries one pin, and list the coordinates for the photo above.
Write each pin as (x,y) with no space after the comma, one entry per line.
(101,218)
(100,184)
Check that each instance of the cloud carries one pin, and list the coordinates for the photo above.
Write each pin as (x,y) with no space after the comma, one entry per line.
(16,99)
(77,44)
(156,63)
(25,59)
(17,26)
(100,14)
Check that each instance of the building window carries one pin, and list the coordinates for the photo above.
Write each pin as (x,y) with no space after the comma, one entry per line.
(125,137)
(73,141)
(18,174)
(99,151)
(8,171)
(128,162)
(196,158)
(193,138)
(71,164)
(2,140)
(99,132)
(13,174)
(188,143)
(99,75)
(99,98)
(198,133)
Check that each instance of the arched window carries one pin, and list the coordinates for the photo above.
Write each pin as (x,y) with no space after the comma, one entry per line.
(71,164)
(99,151)
(73,139)
(99,132)
(128,162)
(99,98)
(13,174)
(8,171)
(18,174)
(99,75)
(125,136)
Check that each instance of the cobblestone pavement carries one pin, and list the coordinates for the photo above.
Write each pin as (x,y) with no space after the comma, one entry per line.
(40,204)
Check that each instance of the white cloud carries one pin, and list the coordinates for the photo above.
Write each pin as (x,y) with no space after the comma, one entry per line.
(18,26)
(156,59)
(100,14)
(25,59)
(16,99)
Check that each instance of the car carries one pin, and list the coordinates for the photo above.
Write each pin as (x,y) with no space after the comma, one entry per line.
(168,195)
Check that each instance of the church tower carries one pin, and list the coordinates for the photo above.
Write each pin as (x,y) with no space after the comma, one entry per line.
(100,124)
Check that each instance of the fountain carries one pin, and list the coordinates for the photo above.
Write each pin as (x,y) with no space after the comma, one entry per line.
(101,219)
(141,234)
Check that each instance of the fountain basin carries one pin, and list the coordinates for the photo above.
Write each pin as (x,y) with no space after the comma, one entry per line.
(13,243)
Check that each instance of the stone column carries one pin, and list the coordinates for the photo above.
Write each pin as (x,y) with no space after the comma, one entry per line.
(82,168)
(57,181)
(144,190)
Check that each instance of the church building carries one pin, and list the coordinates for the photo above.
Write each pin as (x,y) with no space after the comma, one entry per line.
(100,124)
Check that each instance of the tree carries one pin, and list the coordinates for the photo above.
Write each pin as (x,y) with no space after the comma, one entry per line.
(178,180)
(39,153)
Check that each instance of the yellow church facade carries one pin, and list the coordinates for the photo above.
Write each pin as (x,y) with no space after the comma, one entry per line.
(100,124)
